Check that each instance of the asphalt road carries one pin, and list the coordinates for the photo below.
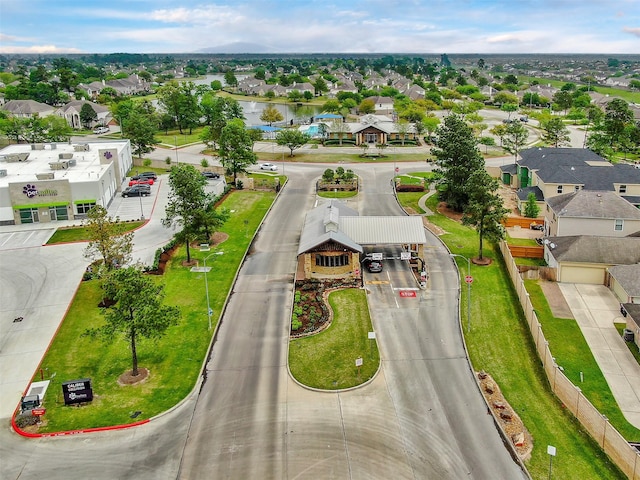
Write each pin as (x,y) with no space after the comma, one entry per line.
(422,417)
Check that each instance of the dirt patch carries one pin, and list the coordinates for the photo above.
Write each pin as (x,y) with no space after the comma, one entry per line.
(444,209)
(127,377)
(508,419)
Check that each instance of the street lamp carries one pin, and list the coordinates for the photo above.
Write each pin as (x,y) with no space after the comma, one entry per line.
(467,279)
(206,287)
(175,140)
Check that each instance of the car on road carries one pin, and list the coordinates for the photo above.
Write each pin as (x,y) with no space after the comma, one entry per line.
(101,130)
(374,266)
(140,181)
(269,166)
(210,175)
(137,191)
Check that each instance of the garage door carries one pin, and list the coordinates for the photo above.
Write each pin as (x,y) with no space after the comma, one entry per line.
(582,274)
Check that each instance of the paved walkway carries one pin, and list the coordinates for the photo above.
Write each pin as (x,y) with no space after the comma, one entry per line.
(596,308)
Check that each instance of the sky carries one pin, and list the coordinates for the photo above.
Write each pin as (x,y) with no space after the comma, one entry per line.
(320,26)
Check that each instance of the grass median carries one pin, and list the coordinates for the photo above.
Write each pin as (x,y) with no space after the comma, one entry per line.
(174,361)
(327,360)
(500,344)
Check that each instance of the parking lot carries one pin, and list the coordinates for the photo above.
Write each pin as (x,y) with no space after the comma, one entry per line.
(24,236)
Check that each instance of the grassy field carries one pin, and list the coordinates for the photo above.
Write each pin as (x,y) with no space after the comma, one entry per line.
(333,157)
(327,360)
(80,234)
(500,344)
(174,361)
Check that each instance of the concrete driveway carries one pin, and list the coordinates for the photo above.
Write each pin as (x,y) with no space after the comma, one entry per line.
(596,308)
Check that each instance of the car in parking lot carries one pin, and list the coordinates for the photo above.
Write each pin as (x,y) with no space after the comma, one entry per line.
(374,266)
(137,191)
(140,181)
(101,130)
(269,166)
(153,175)
(211,175)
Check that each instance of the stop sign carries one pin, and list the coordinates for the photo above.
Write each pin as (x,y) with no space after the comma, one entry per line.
(468,279)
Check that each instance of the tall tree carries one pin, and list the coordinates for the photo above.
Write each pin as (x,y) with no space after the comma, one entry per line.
(138,311)
(186,199)
(141,129)
(236,148)
(107,239)
(485,209)
(339,128)
(555,133)
(515,137)
(531,208)
(457,157)
(230,78)
(292,138)
(87,115)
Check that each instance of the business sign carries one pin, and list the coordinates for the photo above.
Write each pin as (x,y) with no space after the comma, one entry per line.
(38,412)
(405,255)
(77,391)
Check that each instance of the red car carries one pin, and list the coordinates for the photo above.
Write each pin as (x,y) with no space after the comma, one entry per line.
(141,181)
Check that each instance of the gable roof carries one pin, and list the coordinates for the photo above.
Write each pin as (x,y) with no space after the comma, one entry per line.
(592,249)
(593,204)
(321,225)
(578,166)
(628,277)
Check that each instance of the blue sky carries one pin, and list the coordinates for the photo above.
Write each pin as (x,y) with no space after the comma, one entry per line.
(320,26)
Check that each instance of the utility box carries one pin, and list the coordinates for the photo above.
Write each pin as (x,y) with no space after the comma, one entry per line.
(29,402)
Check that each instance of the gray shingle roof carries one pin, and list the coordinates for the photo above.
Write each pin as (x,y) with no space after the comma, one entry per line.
(593,204)
(578,166)
(523,193)
(592,249)
(628,276)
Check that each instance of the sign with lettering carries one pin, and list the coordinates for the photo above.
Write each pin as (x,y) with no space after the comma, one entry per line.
(38,412)
(77,391)
(407,293)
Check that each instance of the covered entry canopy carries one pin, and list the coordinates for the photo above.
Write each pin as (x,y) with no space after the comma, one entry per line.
(384,230)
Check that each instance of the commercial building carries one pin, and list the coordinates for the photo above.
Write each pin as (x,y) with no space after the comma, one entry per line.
(50,182)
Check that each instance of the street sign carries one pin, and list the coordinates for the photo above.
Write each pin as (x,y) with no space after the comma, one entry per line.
(358,362)
(371,335)
(38,412)
(405,255)
(397,169)
(468,279)
(376,256)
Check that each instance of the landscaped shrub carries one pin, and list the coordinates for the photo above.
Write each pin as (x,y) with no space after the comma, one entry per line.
(410,188)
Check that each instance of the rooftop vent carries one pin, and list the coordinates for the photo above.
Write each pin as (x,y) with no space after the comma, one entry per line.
(82,147)
(3,172)
(45,176)
(16,157)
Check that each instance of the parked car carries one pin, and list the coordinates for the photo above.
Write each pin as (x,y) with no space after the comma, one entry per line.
(101,130)
(140,181)
(524,118)
(149,175)
(213,175)
(374,266)
(140,190)
(269,166)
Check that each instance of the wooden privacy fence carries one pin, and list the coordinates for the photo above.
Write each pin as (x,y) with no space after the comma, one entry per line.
(626,457)
(522,222)
(522,251)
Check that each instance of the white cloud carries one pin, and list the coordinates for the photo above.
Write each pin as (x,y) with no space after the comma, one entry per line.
(632,30)
(44,49)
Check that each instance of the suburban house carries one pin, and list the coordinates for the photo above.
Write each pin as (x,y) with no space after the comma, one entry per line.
(383,105)
(28,108)
(334,236)
(71,113)
(590,212)
(547,172)
(586,258)
(130,85)
(624,281)
(372,130)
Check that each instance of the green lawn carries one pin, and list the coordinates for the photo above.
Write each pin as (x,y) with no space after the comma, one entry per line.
(174,361)
(327,360)
(81,234)
(500,344)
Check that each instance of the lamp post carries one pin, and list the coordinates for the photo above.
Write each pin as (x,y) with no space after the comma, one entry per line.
(206,288)
(468,279)
(175,140)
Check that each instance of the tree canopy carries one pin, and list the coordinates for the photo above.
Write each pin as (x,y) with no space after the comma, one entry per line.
(292,138)
(236,148)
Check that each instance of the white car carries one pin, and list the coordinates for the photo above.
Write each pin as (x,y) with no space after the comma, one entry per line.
(269,166)
(101,130)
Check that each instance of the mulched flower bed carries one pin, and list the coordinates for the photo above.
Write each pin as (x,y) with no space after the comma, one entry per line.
(310,306)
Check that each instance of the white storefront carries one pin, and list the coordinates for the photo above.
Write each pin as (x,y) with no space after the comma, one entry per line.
(60,181)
